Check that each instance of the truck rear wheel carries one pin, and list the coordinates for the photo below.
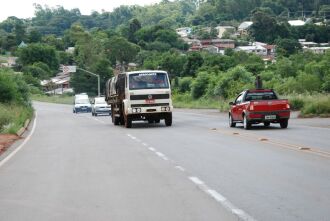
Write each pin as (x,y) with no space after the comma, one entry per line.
(168,120)
(115,120)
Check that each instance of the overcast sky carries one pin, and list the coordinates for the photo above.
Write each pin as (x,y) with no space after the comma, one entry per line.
(25,9)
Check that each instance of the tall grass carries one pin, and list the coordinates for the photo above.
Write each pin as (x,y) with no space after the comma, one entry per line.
(310,105)
(58,99)
(13,117)
(186,101)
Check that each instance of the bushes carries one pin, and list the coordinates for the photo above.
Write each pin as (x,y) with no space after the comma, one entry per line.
(317,107)
(15,105)
(13,117)
(296,103)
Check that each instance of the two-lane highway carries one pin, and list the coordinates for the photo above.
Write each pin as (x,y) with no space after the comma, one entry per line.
(79,167)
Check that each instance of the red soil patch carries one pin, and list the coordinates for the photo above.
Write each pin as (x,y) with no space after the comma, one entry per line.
(6,140)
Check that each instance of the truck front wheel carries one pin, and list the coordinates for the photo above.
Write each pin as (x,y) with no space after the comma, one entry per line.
(128,121)
(168,120)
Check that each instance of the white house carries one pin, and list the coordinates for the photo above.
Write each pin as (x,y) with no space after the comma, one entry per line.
(244,25)
(317,50)
(296,22)
(256,49)
(183,32)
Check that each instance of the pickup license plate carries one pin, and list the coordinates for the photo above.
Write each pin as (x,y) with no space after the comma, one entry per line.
(150,101)
(270,117)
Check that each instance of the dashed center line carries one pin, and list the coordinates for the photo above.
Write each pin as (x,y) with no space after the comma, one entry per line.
(222,200)
(241,215)
(152,149)
(161,155)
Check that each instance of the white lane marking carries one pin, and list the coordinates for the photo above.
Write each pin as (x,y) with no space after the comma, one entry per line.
(152,149)
(180,168)
(161,155)
(196,180)
(12,154)
(217,196)
(138,140)
(145,144)
(222,200)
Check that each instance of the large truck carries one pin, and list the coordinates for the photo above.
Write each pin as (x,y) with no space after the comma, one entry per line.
(140,95)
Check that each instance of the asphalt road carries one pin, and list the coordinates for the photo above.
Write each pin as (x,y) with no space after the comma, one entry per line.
(79,167)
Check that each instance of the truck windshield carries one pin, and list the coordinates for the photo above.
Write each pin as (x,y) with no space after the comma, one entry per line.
(140,81)
(260,95)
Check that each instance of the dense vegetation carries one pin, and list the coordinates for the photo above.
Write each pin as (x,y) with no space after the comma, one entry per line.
(15,105)
(146,36)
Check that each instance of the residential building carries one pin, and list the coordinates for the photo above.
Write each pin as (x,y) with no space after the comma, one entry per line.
(296,22)
(243,27)
(183,32)
(317,50)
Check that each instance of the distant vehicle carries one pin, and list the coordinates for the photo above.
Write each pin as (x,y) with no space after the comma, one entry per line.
(140,95)
(259,106)
(100,106)
(81,103)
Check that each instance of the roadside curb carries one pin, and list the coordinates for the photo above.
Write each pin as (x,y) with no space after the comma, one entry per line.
(21,131)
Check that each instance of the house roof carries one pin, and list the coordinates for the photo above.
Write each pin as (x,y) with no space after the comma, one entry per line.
(245,25)
(296,22)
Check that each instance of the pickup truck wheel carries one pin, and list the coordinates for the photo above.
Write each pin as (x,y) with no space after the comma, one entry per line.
(231,123)
(246,123)
(168,120)
(128,121)
(266,124)
(284,123)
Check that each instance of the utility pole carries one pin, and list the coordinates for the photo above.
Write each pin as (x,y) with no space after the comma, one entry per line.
(98,79)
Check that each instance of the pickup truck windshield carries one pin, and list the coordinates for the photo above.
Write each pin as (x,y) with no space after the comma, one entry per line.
(140,81)
(260,95)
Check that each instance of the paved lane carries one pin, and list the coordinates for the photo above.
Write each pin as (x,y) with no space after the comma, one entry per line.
(269,181)
(77,168)
(198,169)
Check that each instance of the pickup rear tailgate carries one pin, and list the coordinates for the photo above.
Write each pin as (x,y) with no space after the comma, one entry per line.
(269,105)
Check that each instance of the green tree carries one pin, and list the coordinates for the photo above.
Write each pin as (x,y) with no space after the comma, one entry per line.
(194,61)
(122,50)
(39,53)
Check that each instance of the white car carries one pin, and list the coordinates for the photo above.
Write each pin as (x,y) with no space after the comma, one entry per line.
(100,106)
(81,103)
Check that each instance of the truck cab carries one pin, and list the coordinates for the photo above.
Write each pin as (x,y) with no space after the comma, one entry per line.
(140,95)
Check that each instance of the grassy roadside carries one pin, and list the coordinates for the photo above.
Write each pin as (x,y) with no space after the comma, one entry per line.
(13,117)
(315,105)
(58,99)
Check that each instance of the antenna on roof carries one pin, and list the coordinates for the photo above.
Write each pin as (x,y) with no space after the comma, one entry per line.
(258,82)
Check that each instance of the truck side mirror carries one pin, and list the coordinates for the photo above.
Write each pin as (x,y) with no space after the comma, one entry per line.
(231,103)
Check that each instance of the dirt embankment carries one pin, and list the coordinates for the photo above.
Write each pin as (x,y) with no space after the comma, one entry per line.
(6,140)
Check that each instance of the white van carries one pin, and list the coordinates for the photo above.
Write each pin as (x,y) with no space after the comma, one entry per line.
(81,103)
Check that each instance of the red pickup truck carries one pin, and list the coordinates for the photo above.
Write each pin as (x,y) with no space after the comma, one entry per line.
(259,106)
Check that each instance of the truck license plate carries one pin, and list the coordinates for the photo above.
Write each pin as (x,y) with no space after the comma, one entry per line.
(270,117)
(150,101)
